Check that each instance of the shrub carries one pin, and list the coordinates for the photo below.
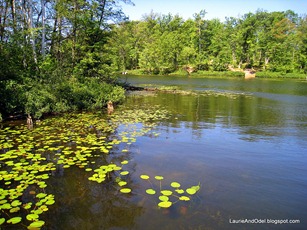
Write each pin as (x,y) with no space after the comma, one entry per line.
(267,74)
(39,101)
(12,97)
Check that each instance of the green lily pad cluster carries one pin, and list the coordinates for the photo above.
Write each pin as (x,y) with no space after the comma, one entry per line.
(103,173)
(140,115)
(29,157)
(20,170)
(168,197)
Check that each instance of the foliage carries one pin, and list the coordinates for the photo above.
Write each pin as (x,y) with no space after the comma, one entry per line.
(267,74)
(219,74)
(71,95)
(163,44)
(63,55)
(8,103)
(49,47)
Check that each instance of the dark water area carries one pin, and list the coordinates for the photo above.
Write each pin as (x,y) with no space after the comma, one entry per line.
(244,141)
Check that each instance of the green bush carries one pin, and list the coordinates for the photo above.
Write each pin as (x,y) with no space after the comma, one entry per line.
(219,74)
(267,74)
(39,101)
(12,97)
(71,95)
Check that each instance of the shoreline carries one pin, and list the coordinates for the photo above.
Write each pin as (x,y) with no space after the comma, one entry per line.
(227,74)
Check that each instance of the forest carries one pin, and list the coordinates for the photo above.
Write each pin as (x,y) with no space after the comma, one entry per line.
(55,55)
(65,55)
(162,44)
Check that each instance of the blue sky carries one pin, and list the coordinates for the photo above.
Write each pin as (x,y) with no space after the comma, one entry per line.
(214,8)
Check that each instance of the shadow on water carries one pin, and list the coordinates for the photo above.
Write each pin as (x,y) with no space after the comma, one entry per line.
(82,204)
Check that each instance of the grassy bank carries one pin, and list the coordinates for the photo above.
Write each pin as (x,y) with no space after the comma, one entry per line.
(281,75)
(265,74)
(194,74)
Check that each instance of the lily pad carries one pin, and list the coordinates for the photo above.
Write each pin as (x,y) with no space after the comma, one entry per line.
(150,191)
(144,177)
(196,187)
(179,191)
(159,177)
(166,192)
(6,206)
(175,184)
(164,198)
(15,209)
(50,202)
(184,198)
(191,191)
(14,220)
(16,203)
(28,205)
(37,224)
(32,217)
(125,190)
(122,183)
(165,204)
(124,173)
(116,168)
(41,195)
(2,220)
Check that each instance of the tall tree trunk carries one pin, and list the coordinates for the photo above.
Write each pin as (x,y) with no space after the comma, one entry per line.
(43,29)
(74,36)
(28,17)
(102,6)
(56,35)
(13,8)
(3,14)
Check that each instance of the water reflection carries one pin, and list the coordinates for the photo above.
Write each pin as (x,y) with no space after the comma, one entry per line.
(82,204)
(255,117)
(248,153)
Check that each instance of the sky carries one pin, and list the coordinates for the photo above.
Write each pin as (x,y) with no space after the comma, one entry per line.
(214,8)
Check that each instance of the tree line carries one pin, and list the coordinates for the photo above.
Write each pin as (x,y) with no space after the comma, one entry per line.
(266,41)
(62,55)
(55,56)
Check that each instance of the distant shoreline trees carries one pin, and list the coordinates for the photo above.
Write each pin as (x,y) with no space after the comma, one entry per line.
(161,44)
(62,55)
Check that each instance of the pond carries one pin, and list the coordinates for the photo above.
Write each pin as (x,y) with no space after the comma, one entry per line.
(239,145)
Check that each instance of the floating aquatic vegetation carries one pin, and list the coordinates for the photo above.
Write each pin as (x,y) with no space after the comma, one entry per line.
(28,158)
(150,191)
(175,192)
(229,94)
(125,190)
(150,89)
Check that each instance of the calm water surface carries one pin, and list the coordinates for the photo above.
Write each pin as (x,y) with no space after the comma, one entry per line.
(249,152)
(245,142)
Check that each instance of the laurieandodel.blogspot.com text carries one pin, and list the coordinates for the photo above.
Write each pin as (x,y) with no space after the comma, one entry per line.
(264,221)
